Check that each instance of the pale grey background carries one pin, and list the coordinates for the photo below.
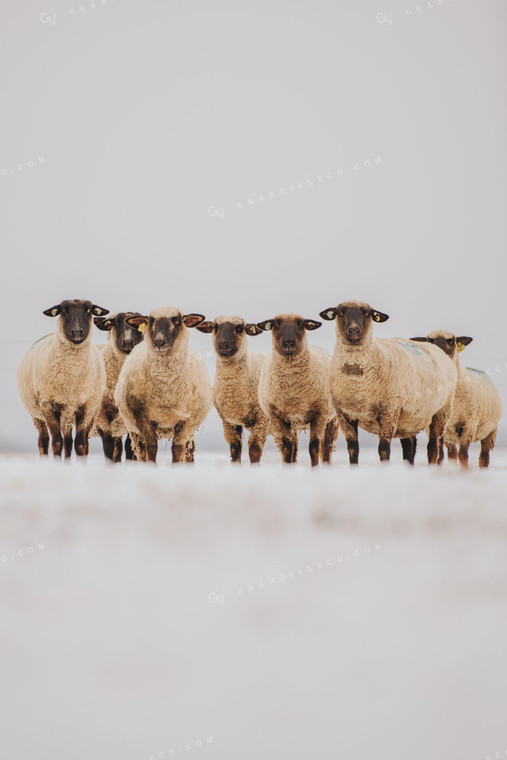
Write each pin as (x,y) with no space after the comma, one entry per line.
(146,114)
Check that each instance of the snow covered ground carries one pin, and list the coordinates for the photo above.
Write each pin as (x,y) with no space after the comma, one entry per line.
(232,612)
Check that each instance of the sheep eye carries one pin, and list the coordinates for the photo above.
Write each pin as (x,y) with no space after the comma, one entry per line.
(215,328)
(341,313)
(366,313)
(277,323)
(239,329)
(450,341)
(151,320)
(176,320)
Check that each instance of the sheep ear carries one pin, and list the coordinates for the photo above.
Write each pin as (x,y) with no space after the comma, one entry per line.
(138,321)
(462,341)
(267,325)
(252,329)
(420,340)
(192,320)
(311,324)
(205,327)
(377,316)
(104,324)
(99,311)
(329,314)
(54,311)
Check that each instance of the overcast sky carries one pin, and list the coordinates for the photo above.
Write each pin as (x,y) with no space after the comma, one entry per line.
(253,158)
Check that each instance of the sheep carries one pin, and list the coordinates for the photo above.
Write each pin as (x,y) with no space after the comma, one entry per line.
(235,388)
(391,387)
(477,404)
(121,339)
(294,389)
(61,379)
(163,390)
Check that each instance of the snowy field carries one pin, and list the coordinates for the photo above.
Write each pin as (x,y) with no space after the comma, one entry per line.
(232,612)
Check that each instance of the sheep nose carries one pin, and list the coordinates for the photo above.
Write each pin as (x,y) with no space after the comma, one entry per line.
(224,345)
(77,333)
(159,342)
(288,344)
(128,344)
(353,330)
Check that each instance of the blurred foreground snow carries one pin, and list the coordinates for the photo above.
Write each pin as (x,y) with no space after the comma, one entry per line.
(235,612)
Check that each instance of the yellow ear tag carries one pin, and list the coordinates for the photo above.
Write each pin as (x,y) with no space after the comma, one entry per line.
(376,317)
(460,347)
(142,327)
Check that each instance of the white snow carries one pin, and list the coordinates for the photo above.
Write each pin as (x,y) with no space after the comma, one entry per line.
(285,612)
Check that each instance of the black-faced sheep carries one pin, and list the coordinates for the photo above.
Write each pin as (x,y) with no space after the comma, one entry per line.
(294,389)
(164,390)
(235,387)
(121,339)
(61,379)
(477,404)
(391,387)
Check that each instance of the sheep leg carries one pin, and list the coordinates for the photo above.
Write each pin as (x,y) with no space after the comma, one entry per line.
(487,445)
(408,446)
(138,447)
(349,428)
(233,436)
(52,417)
(129,452)
(452,452)
(286,440)
(257,440)
(84,420)
(183,437)
(330,435)
(145,441)
(107,444)
(317,430)
(387,428)
(436,438)
(43,439)
(189,451)
(463,454)
(118,449)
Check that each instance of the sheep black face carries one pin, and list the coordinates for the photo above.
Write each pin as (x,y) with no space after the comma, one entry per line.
(289,336)
(163,327)
(448,342)
(126,336)
(76,318)
(229,335)
(354,319)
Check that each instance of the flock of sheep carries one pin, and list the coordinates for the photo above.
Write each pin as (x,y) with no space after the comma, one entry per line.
(146,383)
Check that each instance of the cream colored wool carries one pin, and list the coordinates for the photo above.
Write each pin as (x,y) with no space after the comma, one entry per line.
(173,393)
(477,405)
(55,373)
(235,392)
(108,418)
(394,387)
(292,390)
